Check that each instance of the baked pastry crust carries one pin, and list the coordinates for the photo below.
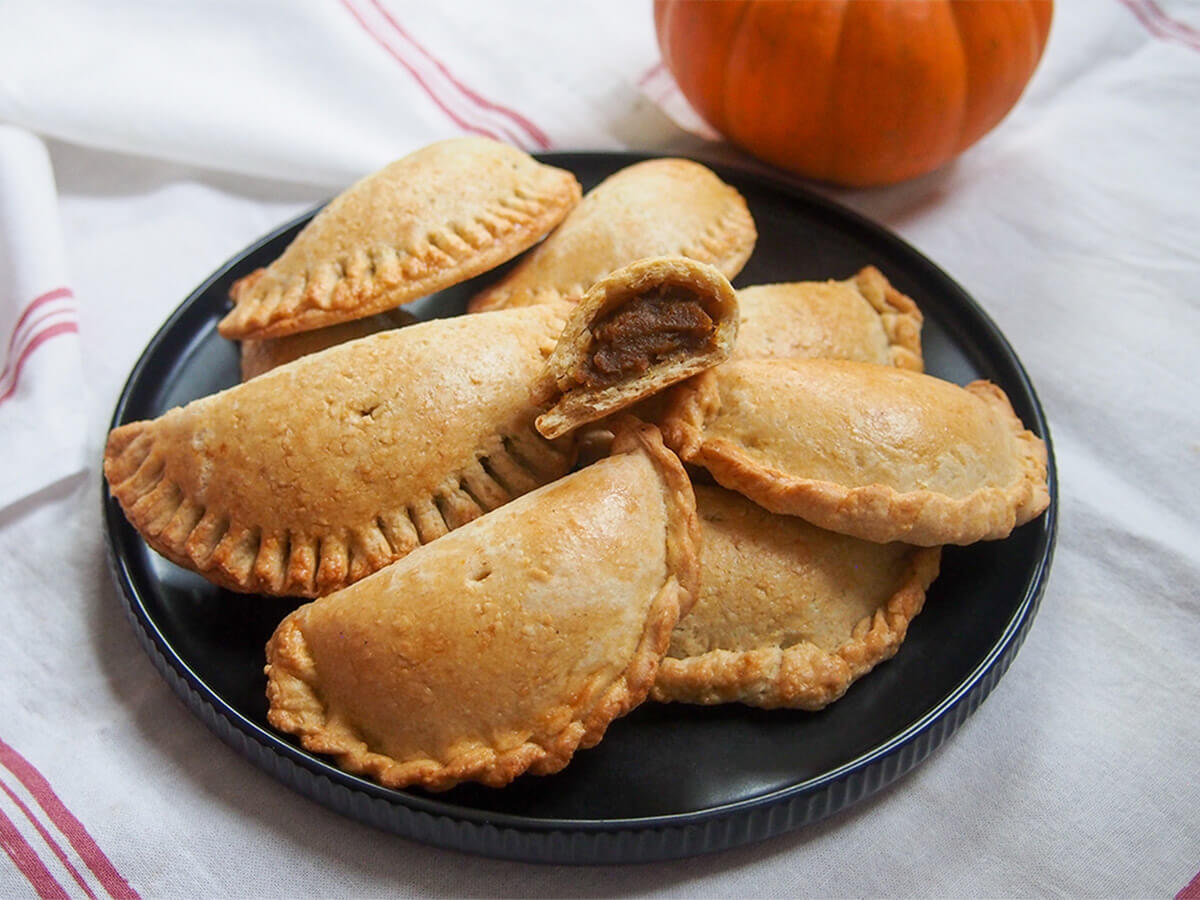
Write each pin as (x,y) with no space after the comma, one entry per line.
(263,356)
(677,278)
(307,478)
(509,644)
(660,207)
(789,615)
(862,318)
(876,452)
(434,218)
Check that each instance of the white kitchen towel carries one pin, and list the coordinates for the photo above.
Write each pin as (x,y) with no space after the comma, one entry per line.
(1075,224)
(42,393)
(325,92)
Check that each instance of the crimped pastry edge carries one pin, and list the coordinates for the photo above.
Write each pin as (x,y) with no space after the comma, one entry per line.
(267,308)
(899,315)
(874,512)
(296,707)
(801,676)
(726,244)
(244,557)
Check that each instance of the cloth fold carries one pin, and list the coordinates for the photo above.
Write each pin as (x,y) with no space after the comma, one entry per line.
(181,133)
(42,391)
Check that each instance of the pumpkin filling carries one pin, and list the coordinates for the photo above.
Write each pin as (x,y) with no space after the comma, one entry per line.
(658,325)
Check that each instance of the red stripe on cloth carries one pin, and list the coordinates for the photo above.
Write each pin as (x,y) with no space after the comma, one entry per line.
(539,137)
(1161,25)
(37,341)
(35,324)
(650,73)
(1191,891)
(1185,31)
(49,839)
(56,294)
(430,92)
(27,861)
(70,827)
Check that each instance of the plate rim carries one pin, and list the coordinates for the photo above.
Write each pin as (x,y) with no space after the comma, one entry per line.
(973,689)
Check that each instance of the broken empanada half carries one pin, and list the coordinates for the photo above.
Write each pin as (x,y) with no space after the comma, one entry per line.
(263,356)
(862,318)
(642,328)
(506,646)
(875,452)
(434,218)
(789,615)
(317,473)
(660,207)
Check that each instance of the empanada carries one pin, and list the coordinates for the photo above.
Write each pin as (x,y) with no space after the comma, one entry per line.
(439,216)
(507,645)
(263,356)
(317,473)
(862,318)
(660,207)
(876,452)
(789,615)
(645,326)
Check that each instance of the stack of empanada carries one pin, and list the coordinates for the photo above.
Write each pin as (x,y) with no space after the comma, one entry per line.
(485,605)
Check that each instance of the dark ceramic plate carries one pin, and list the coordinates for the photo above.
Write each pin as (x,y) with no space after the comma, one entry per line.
(666,781)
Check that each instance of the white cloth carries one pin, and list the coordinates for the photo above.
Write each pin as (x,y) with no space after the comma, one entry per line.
(42,394)
(182,132)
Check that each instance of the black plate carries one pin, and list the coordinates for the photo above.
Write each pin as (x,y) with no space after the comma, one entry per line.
(667,781)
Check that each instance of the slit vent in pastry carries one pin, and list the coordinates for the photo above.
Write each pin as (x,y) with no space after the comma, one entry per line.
(317,473)
(439,216)
(509,644)
(660,207)
(789,615)
(875,452)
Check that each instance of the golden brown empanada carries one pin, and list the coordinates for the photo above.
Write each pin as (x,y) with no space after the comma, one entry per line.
(507,645)
(862,318)
(263,356)
(789,615)
(317,473)
(447,212)
(647,325)
(876,452)
(660,207)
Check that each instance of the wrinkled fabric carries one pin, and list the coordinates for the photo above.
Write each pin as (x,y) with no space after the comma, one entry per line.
(178,134)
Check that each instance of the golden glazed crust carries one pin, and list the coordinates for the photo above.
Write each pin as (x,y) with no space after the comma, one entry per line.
(661,207)
(876,452)
(509,644)
(684,279)
(862,318)
(789,615)
(263,356)
(320,472)
(430,220)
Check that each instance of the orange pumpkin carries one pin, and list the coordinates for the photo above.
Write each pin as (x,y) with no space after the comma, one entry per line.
(857,92)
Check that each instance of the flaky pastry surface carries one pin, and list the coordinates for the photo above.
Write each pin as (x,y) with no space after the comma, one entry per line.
(263,356)
(872,451)
(862,318)
(317,473)
(789,615)
(507,645)
(434,218)
(660,207)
